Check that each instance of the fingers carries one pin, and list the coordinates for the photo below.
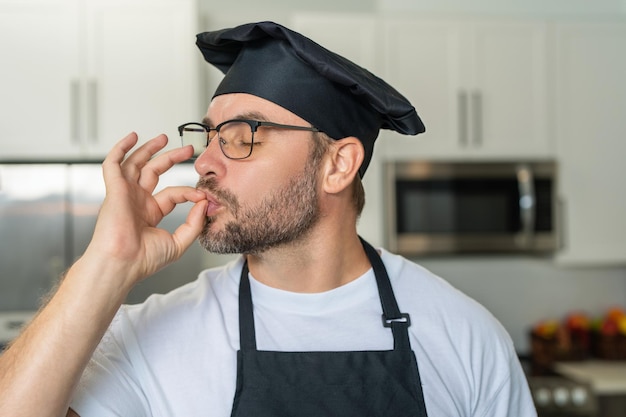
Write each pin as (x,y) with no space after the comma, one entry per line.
(117,163)
(135,162)
(170,197)
(141,166)
(187,232)
(127,226)
(111,164)
(121,148)
(151,172)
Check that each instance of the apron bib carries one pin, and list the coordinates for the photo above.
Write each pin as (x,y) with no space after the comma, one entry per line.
(326,384)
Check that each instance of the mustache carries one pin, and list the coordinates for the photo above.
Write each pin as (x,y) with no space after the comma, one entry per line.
(225,197)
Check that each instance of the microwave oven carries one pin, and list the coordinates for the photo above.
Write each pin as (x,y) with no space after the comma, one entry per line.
(471,207)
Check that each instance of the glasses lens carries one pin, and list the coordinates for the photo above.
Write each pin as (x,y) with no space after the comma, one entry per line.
(236,139)
(196,136)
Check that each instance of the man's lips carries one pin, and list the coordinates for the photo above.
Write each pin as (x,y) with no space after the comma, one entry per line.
(212,208)
(214,204)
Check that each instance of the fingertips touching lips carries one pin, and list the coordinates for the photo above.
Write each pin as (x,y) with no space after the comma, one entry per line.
(216,195)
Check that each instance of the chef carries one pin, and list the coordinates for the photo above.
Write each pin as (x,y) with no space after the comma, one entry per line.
(337,98)
(309,319)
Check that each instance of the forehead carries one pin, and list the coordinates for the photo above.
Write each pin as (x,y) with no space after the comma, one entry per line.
(247,106)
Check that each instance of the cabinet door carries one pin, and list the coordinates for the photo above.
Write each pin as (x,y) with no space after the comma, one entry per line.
(38,79)
(591,132)
(509,94)
(141,73)
(479,85)
(425,61)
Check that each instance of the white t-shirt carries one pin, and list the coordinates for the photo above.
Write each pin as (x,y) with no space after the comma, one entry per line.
(175,354)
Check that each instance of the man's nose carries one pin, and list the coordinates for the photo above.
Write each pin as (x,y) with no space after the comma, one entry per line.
(210,158)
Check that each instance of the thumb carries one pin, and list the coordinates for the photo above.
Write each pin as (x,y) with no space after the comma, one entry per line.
(187,232)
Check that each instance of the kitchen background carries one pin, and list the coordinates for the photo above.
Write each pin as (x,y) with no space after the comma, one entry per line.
(547,114)
(79,74)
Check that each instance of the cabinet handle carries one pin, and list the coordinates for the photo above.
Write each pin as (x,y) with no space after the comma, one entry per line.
(477,122)
(92,116)
(462,98)
(74,111)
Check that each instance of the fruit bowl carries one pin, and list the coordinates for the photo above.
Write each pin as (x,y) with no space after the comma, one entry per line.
(608,336)
(560,340)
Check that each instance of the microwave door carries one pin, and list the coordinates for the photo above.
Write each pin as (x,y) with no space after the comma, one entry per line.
(471,207)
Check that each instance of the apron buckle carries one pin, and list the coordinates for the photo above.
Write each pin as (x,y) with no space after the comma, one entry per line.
(404,318)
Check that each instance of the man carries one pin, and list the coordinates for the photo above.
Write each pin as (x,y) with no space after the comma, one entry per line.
(311,320)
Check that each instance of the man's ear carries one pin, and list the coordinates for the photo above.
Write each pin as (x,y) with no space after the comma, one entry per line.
(343,163)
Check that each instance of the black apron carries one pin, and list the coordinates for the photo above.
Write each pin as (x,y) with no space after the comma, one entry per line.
(323,384)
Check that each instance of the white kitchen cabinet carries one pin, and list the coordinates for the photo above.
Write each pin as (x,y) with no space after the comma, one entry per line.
(479,85)
(81,74)
(591,140)
(38,40)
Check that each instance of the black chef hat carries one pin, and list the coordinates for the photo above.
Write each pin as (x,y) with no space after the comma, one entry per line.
(332,93)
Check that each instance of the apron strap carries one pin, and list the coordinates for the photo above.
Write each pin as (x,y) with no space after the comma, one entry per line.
(399,322)
(392,317)
(247,335)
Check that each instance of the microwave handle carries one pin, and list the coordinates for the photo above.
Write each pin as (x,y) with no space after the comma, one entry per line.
(527,203)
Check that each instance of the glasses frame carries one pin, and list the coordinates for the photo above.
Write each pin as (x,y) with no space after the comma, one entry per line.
(254,126)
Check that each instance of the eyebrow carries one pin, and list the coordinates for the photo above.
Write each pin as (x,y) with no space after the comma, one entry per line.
(251,115)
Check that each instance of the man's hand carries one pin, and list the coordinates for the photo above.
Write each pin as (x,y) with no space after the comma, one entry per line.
(40,370)
(126,230)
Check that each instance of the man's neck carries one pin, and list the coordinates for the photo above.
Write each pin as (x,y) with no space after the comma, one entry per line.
(319,262)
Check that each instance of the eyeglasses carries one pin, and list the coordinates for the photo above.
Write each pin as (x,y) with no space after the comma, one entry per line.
(236,137)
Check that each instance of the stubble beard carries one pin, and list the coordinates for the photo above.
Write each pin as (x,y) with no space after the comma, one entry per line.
(283,217)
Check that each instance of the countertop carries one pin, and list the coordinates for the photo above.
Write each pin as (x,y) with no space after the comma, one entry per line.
(606,377)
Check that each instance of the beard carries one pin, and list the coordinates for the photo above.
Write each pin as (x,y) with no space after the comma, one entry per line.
(282,217)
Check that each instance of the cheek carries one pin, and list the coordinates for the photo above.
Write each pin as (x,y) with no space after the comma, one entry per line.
(262,179)
(254,178)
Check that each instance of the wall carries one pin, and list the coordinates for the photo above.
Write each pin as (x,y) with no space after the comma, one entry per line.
(538,7)
(273,8)
(519,291)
